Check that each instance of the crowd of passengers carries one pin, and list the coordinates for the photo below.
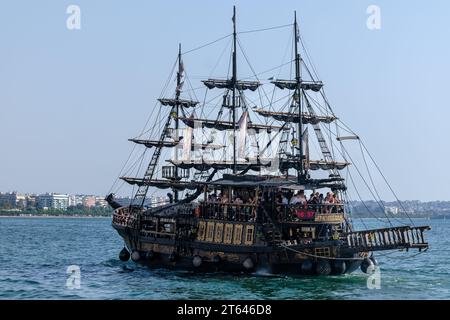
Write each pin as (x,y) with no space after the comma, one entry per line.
(317,202)
(242,206)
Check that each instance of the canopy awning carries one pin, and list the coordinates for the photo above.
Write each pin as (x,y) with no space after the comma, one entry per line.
(278,182)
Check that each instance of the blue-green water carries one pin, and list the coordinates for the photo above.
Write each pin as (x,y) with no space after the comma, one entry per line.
(35,254)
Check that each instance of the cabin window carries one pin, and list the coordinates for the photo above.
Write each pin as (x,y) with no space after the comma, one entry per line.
(237,234)
(228,233)
(201,230)
(249,232)
(308,232)
(168,227)
(219,233)
(323,252)
(210,231)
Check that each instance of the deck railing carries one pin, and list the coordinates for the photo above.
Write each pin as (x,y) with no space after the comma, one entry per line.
(307,212)
(228,211)
(388,238)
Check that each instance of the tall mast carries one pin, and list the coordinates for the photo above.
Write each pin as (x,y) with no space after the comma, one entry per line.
(233,80)
(177,97)
(298,78)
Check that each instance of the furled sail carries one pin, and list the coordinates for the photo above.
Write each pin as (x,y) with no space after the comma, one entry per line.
(226,125)
(307,118)
(171,144)
(292,85)
(205,165)
(243,122)
(180,102)
(155,143)
(315,164)
(187,143)
(305,140)
(161,184)
(228,84)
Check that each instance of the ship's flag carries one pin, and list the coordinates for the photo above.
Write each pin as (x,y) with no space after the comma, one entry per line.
(180,86)
(243,121)
(181,68)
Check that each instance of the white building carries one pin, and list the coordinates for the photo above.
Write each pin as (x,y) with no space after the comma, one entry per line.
(100,202)
(158,201)
(52,201)
(75,200)
(391,210)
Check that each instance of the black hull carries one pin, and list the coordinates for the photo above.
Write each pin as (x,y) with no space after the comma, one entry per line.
(267,260)
(163,261)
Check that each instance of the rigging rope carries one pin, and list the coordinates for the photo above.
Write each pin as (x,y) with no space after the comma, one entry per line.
(206,44)
(265,29)
(319,257)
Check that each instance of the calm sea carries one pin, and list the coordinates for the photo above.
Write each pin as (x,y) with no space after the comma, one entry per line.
(36,252)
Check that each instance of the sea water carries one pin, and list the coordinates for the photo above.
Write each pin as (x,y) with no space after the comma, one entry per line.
(77,258)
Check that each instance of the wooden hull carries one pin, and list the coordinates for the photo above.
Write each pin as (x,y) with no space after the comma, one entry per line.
(199,256)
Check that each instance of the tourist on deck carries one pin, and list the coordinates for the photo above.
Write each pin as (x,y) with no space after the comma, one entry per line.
(295,199)
(329,202)
(321,198)
(313,201)
(279,199)
(302,197)
(212,197)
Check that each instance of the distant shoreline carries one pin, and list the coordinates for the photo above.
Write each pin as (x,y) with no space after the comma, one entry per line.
(54,216)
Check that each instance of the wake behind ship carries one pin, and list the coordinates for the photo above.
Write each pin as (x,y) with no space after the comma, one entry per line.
(243,195)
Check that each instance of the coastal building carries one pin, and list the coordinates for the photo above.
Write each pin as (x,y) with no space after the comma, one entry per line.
(101,202)
(88,201)
(31,201)
(158,201)
(8,200)
(12,200)
(75,200)
(52,201)
(391,210)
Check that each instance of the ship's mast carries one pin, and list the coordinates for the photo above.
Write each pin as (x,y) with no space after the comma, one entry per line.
(177,98)
(298,78)
(233,80)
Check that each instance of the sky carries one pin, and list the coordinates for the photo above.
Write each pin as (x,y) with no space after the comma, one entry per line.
(70,99)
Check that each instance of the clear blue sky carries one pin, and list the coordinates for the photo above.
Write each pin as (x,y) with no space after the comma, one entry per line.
(70,99)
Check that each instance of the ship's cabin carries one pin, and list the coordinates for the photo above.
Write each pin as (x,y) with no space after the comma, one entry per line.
(300,212)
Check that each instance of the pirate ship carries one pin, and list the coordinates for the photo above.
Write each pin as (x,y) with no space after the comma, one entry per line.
(239,182)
